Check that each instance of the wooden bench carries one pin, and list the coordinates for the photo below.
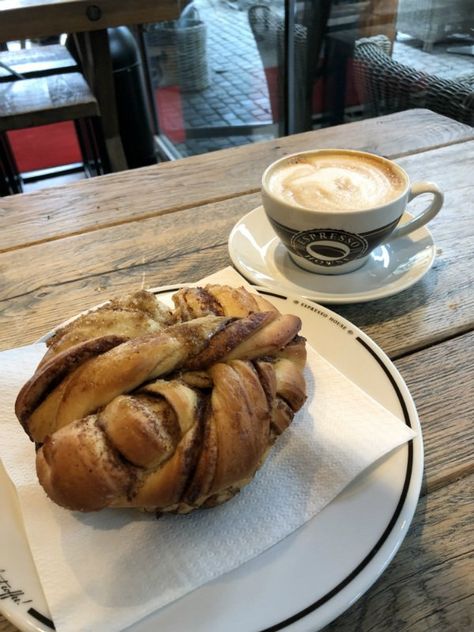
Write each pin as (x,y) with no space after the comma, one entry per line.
(38,61)
(42,101)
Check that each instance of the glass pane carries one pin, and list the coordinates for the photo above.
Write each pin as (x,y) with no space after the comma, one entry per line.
(214,76)
(231,72)
(385,56)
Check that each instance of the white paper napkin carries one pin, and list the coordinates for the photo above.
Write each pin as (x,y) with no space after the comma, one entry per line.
(107,570)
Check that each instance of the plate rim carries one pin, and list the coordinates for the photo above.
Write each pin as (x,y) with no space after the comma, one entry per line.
(324,297)
(413,478)
(396,382)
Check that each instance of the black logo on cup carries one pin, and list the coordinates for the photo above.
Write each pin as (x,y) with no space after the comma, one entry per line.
(328,247)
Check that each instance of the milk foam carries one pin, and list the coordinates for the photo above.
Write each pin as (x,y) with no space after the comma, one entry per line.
(336,181)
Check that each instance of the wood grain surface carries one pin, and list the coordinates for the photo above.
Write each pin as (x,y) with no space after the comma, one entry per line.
(45,100)
(171,186)
(22,19)
(67,249)
(428,586)
(440,381)
(161,249)
(36,60)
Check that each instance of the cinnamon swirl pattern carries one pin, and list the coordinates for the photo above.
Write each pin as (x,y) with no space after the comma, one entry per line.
(135,405)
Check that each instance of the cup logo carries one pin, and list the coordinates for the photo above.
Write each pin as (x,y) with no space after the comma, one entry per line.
(328,247)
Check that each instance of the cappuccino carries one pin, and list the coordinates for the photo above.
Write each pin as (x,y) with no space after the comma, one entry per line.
(336,181)
(332,207)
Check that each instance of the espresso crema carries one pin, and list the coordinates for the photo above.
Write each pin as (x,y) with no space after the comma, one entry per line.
(336,181)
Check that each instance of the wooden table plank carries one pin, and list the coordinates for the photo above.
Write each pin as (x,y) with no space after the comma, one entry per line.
(157,239)
(442,303)
(169,249)
(440,381)
(112,199)
(22,19)
(45,100)
(428,586)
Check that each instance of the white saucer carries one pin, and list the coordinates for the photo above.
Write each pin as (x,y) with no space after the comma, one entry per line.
(259,255)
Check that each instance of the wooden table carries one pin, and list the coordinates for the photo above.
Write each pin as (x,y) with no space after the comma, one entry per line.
(88,21)
(68,248)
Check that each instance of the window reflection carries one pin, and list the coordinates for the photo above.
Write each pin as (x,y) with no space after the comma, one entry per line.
(231,72)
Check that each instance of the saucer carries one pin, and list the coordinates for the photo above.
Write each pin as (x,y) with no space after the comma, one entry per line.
(259,255)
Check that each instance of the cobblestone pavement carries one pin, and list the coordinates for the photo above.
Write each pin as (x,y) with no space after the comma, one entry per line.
(237,94)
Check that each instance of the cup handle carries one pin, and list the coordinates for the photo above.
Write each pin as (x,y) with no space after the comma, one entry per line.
(417,188)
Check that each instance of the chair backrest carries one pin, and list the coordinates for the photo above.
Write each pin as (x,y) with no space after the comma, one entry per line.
(389,86)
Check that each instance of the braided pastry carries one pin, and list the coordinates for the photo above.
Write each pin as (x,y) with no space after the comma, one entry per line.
(134,315)
(172,419)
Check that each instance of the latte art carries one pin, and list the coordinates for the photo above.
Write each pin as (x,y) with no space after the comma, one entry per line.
(336,182)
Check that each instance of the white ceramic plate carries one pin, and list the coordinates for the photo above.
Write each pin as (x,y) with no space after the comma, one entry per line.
(259,255)
(313,575)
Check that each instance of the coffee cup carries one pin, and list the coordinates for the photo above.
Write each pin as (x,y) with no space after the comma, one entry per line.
(332,207)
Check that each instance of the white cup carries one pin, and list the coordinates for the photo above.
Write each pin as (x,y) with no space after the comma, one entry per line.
(340,240)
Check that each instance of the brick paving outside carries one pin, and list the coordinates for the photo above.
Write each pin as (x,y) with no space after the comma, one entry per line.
(237,94)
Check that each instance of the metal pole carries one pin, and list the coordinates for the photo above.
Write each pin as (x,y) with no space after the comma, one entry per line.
(290,92)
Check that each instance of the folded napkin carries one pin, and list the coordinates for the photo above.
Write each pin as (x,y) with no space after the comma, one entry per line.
(105,571)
